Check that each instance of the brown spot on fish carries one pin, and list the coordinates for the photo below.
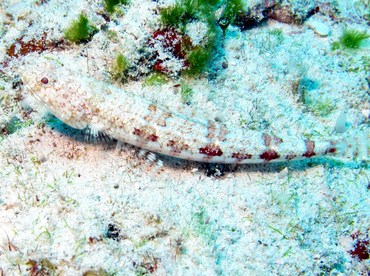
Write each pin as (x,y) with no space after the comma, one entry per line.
(277,140)
(145,134)
(178,145)
(310,145)
(211,150)
(269,155)
(162,120)
(152,137)
(216,131)
(270,140)
(290,156)
(156,117)
(331,149)
(223,132)
(137,132)
(241,156)
(267,139)
(211,129)
(152,108)
(171,143)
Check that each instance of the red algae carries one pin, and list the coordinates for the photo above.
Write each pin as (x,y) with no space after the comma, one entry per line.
(361,248)
(174,42)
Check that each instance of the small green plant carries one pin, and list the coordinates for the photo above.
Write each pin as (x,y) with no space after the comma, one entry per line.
(203,227)
(80,30)
(278,33)
(322,108)
(110,5)
(112,36)
(198,60)
(120,68)
(186,93)
(335,45)
(350,39)
(174,15)
(231,10)
(156,78)
(183,12)
(179,14)
(212,2)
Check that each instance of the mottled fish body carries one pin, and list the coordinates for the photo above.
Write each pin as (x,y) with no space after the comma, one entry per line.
(84,102)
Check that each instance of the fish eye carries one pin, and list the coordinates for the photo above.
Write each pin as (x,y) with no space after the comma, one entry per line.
(45,80)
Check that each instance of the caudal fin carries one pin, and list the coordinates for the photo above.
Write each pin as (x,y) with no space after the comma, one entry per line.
(356,147)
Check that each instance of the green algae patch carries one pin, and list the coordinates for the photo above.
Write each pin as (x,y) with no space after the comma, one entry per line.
(155,78)
(80,30)
(120,68)
(350,39)
(110,5)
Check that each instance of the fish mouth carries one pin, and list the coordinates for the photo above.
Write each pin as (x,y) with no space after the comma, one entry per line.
(26,80)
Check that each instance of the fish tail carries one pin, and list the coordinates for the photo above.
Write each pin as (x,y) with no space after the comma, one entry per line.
(355,147)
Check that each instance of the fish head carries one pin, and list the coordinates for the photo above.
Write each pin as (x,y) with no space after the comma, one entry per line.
(58,90)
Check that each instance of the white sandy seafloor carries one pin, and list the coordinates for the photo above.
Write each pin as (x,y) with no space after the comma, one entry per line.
(69,206)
